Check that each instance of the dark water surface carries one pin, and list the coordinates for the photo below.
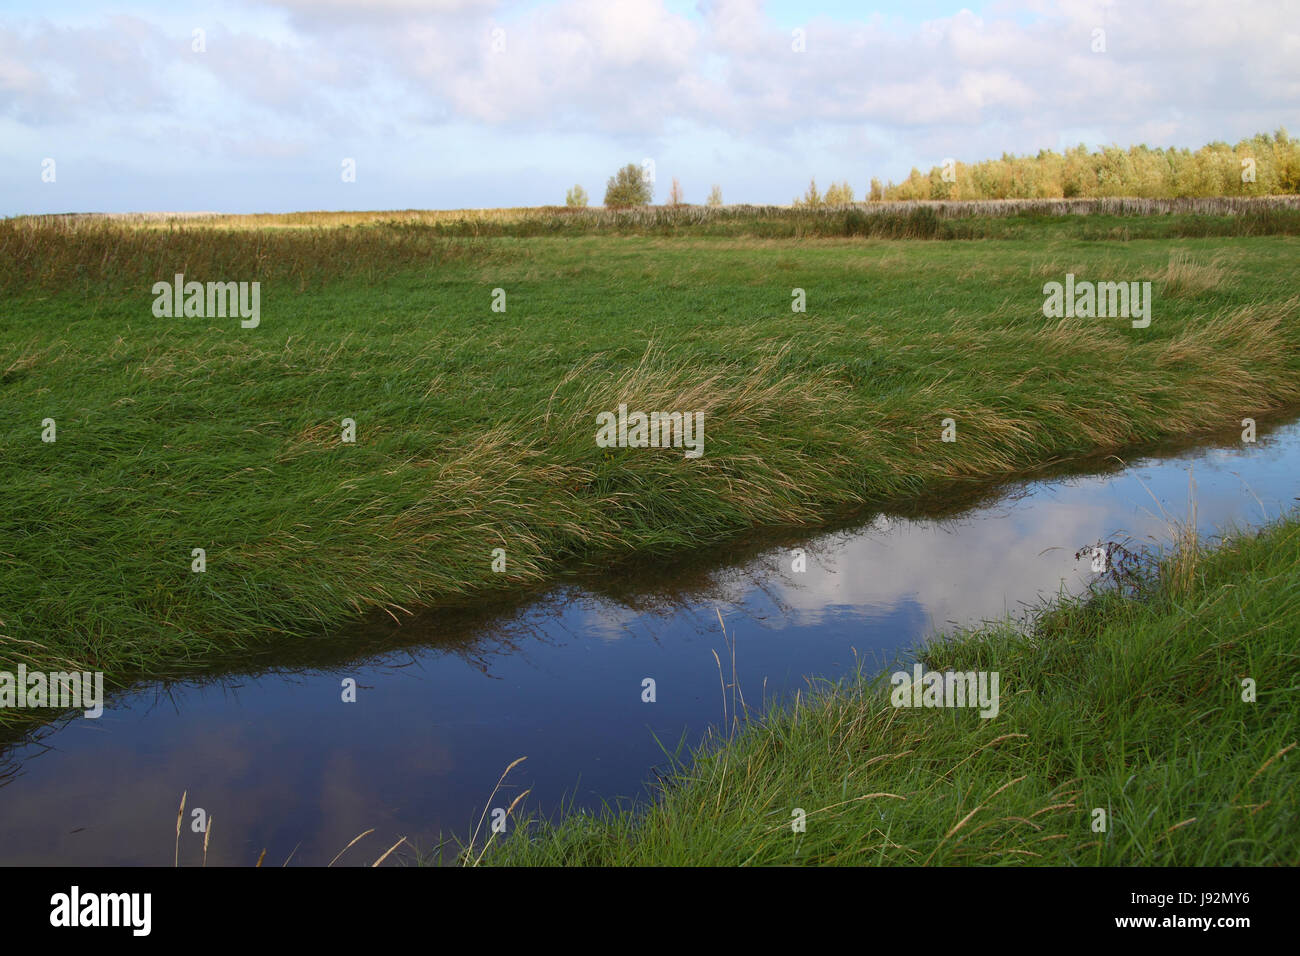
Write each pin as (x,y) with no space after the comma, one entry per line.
(446,701)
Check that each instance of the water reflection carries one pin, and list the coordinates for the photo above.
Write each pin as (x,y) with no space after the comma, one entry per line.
(269,750)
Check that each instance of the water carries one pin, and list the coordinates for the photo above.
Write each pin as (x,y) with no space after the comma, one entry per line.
(447,701)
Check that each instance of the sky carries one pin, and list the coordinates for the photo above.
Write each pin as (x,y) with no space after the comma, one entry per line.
(258,105)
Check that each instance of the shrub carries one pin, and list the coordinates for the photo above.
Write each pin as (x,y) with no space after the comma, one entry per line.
(628,187)
(838,194)
(812,197)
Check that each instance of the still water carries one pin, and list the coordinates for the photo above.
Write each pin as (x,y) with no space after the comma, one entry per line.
(445,701)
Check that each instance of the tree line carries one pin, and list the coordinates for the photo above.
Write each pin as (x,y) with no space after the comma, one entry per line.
(1262,165)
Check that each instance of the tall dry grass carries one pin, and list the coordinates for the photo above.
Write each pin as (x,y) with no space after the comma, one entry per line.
(68,253)
(1185,275)
(649,216)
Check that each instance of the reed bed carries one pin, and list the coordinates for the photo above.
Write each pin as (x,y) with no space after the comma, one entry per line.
(821,220)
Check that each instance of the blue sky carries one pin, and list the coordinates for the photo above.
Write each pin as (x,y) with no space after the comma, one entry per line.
(471,103)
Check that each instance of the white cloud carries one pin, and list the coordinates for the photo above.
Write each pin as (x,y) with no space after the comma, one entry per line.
(635,74)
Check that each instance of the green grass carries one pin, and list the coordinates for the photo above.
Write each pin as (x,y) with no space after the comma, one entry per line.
(1133,705)
(476,429)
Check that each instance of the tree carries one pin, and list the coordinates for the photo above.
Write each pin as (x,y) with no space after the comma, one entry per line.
(675,194)
(877,191)
(577,196)
(812,197)
(715,196)
(628,187)
(838,194)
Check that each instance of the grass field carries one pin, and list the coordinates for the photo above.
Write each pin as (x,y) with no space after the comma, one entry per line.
(1129,705)
(475,429)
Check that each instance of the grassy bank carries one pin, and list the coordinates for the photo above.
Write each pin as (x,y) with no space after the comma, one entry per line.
(1129,705)
(475,429)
